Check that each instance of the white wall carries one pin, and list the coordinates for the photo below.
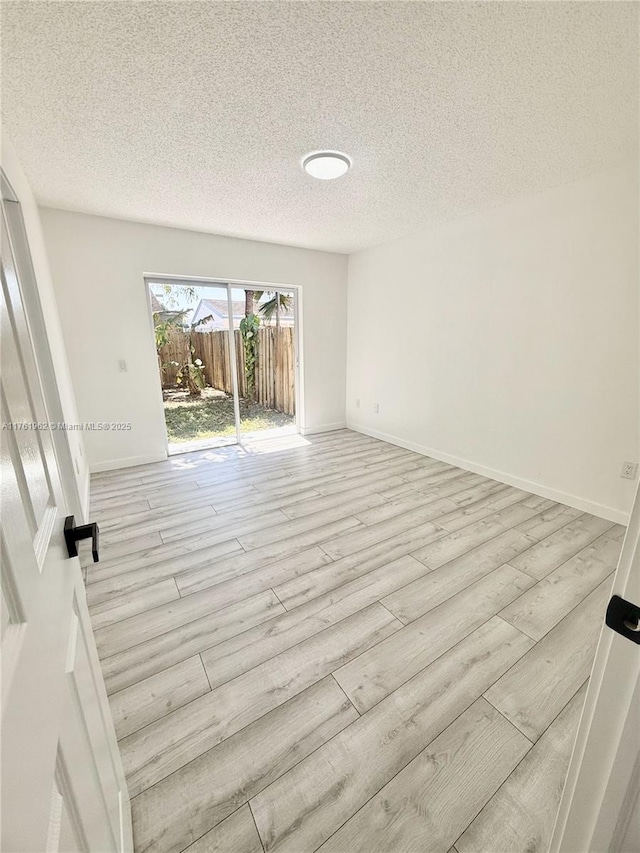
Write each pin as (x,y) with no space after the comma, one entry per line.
(60,400)
(519,357)
(98,266)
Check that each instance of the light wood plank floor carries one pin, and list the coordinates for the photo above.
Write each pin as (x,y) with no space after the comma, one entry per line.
(335,644)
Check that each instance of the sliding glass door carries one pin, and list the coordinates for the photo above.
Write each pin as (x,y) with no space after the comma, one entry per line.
(226,361)
(265,338)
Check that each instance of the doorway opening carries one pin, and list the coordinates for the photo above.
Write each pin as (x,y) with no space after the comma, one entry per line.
(227,360)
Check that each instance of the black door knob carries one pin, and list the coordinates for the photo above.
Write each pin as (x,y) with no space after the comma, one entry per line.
(73,534)
(624,617)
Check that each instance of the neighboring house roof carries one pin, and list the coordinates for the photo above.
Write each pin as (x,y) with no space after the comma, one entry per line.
(218,310)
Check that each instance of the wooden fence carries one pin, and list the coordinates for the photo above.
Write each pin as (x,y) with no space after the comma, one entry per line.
(275,367)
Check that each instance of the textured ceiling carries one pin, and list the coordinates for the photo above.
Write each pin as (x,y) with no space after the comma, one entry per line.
(197,114)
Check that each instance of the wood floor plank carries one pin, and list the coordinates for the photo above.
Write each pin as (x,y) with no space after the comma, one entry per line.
(105,513)
(547,522)
(114,550)
(356,459)
(434,470)
(334,574)
(319,502)
(437,586)
(115,610)
(241,766)
(393,474)
(388,509)
(616,532)
(237,834)
(213,491)
(427,805)
(306,805)
(240,564)
(467,514)
(122,493)
(537,502)
(231,658)
(152,698)
(376,673)
(551,599)
(203,494)
(453,545)
(417,490)
(160,553)
(294,526)
(457,488)
(341,478)
(149,519)
(202,561)
(427,479)
(519,818)
(166,617)
(258,499)
(162,747)
(541,559)
(122,529)
(536,689)
(481,488)
(147,658)
(219,528)
(356,540)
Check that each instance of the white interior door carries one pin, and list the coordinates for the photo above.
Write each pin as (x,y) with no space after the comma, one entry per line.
(63,788)
(600,807)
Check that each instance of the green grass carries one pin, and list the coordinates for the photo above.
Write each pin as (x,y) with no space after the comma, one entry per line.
(193,419)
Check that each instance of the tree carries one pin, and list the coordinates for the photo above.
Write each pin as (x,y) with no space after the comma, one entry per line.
(249,330)
(277,302)
(191,372)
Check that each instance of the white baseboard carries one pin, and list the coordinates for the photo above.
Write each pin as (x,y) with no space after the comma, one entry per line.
(322,428)
(601,510)
(127,462)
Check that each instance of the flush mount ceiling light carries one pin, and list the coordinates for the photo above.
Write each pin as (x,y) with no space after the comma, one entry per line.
(326,165)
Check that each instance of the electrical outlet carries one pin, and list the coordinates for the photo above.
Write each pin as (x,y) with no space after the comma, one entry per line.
(357,402)
(376,408)
(629,470)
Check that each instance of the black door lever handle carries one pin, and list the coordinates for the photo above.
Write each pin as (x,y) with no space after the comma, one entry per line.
(73,534)
(624,617)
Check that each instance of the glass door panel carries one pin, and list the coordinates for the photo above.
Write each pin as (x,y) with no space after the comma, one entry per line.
(265,343)
(191,324)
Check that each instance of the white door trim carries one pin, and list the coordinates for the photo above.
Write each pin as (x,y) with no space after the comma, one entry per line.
(596,801)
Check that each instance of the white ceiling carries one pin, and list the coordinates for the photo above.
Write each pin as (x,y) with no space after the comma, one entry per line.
(197,114)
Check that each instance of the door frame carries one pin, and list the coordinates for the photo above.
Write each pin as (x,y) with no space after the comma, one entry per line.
(603,781)
(242,284)
(40,341)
